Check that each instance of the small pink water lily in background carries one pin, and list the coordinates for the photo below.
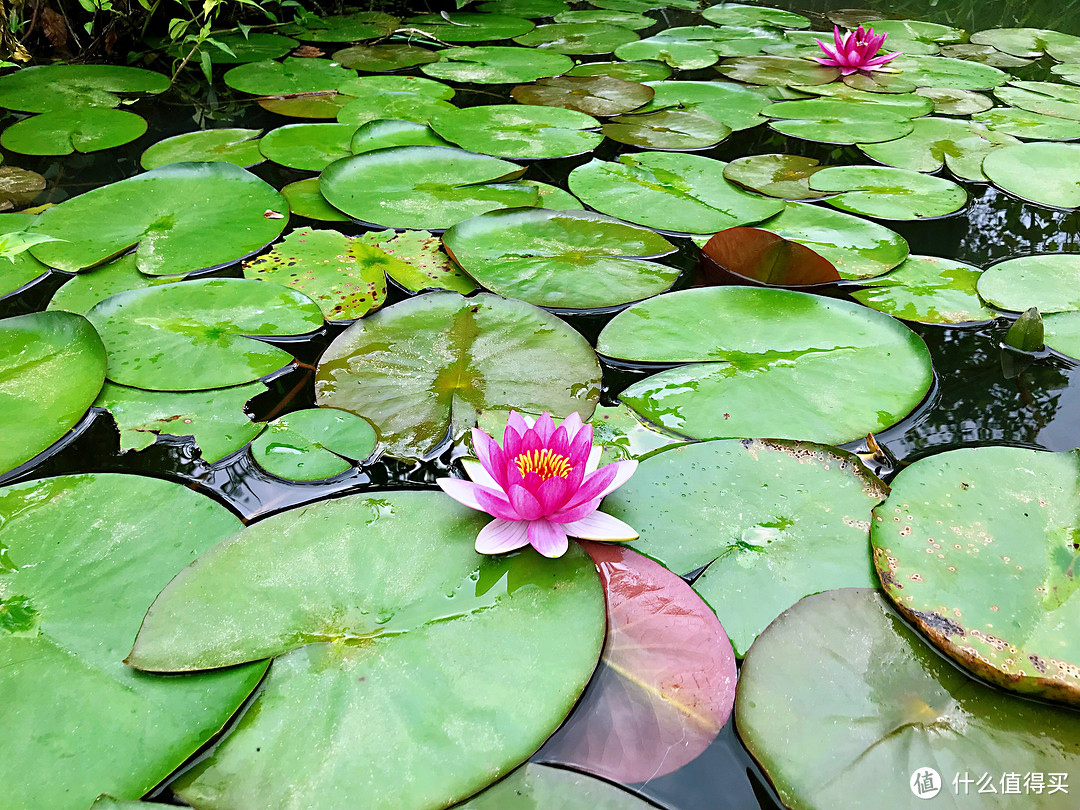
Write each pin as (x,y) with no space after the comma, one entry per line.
(540,486)
(854,51)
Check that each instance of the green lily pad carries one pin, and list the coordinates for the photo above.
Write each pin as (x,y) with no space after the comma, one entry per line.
(1029,125)
(255,47)
(768,362)
(1007,515)
(669,191)
(943,71)
(592,95)
(52,365)
(493,64)
(641,6)
(733,105)
(465,26)
(423,263)
(672,52)
(524,8)
(343,275)
(1062,333)
(423,187)
(1043,173)
(578,39)
(1045,98)
(305,199)
(888,193)
(199,334)
(782,176)
(561,259)
(214,419)
(85,555)
(950,101)
(327,582)
(827,120)
(625,19)
(377,104)
(19,187)
(936,142)
(23,268)
(535,786)
(1030,43)
(519,131)
(1070,73)
(384,133)
(666,129)
(928,289)
(917,30)
(82,129)
(61,88)
(385,57)
(324,104)
(382,367)
(738,14)
(237,146)
(627,71)
(911,105)
(179,218)
(777,71)
(397,84)
(345,27)
(84,291)
(311,147)
(623,436)
(984,54)
(109,803)
(849,732)
(291,75)
(1049,282)
(773,521)
(883,83)
(314,444)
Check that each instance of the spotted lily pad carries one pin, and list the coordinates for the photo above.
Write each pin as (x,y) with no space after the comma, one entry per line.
(984,54)
(305,199)
(627,71)
(345,27)
(777,71)
(382,367)
(519,131)
(578,39)
(561,259)
(1041,172)
(782,176)
(196,335)
(936,142)
(314,444)
(887,193)
(423,263)
(1008,515)
(493,64)
(81,129)
(311,147)
(466,26)
(85,556)
(237,146)
(772,520)
(327,582)
(928,289)
(828,120)
(1049,282)
(592,95)
(52,365)
(376,103)
(768,362)
(60,88)
(384,133)
(739,14)
(671,192)
(385,57)
(291,75)
(80,294)
(1029,125)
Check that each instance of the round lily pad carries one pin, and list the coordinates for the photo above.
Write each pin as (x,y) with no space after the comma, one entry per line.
(428,187)
(384,133)
(493,64)
(1029,125)
(311,147)
(198,335)
(466,26)
(397,84)
(237,146)
(385,57)
(519,131)
(578,39)
(82,292)
(666,129)
(782,176)
(928,289)
(777,70)
(561,259)
(61,88)
(374,105)
(592,95)
(539,786)
(343,275)
(626,19)
(827,120)
(672,52)
(345,27)
(380,605)
(81,129)
(291,75)
(383,368)
(773,521)
(1062,333)
(943,71)
(423,263)
(875,714)
(85,556)
(179,218)
(1006,515)
(52,365)
(669,191)
(627,71)
(305,199)
(739,14)
(768,362)
(917,30)
(524,8)
(1049,282)
(255,47)
(314,444)
(19,187)
(23,267)
(1040,172)
(888,193)
(936,142)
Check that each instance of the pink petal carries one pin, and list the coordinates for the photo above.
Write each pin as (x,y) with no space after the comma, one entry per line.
(490,456)
(600,526)
(511,444)
(544,427)
(837,38)
(607,479)
(475,470)
(828,61)
(580,446)
(517,423)
(532,481)
(552,494)
(548,538)
(847,70)
(571,424)
(594,459)
(530,441)
(525,504)
(462,491)
(558,443)
(496,504)
(501,536)
(572,513)
(830,53)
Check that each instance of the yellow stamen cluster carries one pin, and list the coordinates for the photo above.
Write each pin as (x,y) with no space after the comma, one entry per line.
(544,463)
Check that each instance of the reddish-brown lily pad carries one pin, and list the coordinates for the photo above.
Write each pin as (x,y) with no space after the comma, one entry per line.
(740,255)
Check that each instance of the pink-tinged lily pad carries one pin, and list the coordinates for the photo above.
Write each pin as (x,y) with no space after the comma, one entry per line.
(666,681)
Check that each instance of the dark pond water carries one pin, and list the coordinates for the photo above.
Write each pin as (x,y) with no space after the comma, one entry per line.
(974,401)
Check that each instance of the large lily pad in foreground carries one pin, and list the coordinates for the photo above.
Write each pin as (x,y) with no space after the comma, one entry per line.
(420,370)
(873,706)
(84,556)
(1005,516)
(768,362)
(52,365)
(382,618)
(179,218)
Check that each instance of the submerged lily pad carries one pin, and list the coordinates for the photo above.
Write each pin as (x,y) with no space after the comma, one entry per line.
(179,218)
(936,142)
(385,57)
(314,444)
(828,120)
(768,362)
(732,105)
(323,104)
(493,64)
(52,365)
(1007,515)
(426,661)
(592,95)
(305,199)
(466,26)
(311,147)
(382,367)
(519,131)
(772,520)
(82,129)
(291,75)
(1049,282)
(60,88)
(238,146)
(561,259)
(669,191)
(760,257)
(194,336)
(851,731)
(534,786)
(888,193)
(18,188)
(1040,172)
(578,39)
(423,263)
(782,176)
(928,289)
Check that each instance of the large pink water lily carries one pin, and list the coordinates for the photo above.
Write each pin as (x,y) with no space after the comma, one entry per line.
(854,51)
(541,485)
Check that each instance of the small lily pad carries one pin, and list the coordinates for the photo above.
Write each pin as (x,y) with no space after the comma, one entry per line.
(466,26)
(384,133)
(578,39)
(237,146)
(397,84)
(345,27)
(828,120)
(62,88)
(377,104)
(82,129)
(782,176)
(311,147)
(423,263)
(314,444)
(777,71)
(19,187)
(83,292)
(519,131)
(1049,282)
(627,71)
(1028,125)
(493,64)
(936,142)
(592,95)
(322,104)
(888,193)
(738,14)
(291,75)
(928,289)
(1040,172)
(385,57)
(672,52)
(305,200)
(1062,333)
(950,101)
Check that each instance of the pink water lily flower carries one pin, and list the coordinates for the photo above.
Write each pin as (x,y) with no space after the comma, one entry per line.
(854,51)
(541,485)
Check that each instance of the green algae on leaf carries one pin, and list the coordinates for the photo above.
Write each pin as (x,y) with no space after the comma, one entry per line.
(936,142)
(1029,125)
(783,176)
(385,57)
(423,263)
(928,289)
(237,146)
(314,444)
